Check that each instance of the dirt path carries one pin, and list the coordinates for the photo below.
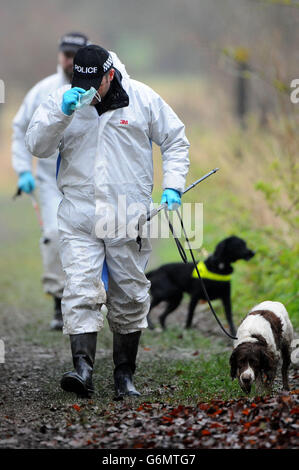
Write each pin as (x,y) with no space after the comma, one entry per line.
(35,413)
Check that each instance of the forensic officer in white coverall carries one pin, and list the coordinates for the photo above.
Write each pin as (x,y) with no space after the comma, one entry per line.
(106,174)
(49,195)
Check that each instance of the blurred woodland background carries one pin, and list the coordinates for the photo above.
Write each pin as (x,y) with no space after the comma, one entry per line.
(225,66)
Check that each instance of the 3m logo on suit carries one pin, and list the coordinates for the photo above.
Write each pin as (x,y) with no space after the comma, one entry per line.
(124,122)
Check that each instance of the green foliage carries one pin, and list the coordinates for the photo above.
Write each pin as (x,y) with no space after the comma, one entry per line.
(271,275)
(281,86)
(204,379)
(239,54)
(281,189)
(281,259)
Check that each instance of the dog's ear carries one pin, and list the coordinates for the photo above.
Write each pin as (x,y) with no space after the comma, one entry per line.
(233,365)
(219,250)
(266,360)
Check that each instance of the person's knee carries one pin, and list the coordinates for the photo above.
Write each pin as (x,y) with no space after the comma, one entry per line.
(125,328)
(81,307)
(50,238)
(79,320)
(81,292)
(128,317)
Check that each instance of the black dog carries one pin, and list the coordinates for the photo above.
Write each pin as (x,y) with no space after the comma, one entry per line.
(169,282)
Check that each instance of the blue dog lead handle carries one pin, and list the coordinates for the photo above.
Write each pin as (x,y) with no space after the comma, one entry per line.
(105,276)
(58,161)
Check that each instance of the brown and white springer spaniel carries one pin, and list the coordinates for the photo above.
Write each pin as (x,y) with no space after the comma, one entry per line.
(264,337)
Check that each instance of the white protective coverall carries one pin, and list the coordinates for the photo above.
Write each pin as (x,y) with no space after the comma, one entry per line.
(49,195)
(102,158)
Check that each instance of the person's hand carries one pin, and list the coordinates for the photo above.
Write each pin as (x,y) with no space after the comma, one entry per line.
(70,99)
(26,182)
(172,198)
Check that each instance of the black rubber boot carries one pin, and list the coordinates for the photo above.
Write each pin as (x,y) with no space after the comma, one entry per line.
(125,349)
(83,350)
(57,322)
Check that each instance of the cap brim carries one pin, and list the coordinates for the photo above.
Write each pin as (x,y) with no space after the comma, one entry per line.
(87,83)
(69,48)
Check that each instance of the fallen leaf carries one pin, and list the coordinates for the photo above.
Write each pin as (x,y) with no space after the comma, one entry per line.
(76,407)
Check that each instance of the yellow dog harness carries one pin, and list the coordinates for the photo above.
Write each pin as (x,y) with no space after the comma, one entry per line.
(206,274)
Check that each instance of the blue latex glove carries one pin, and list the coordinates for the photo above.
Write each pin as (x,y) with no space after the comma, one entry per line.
(70,98)
(26,182)
(172,197)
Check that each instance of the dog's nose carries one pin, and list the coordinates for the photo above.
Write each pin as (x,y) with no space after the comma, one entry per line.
(249,254)
(246,384)
(246,380)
